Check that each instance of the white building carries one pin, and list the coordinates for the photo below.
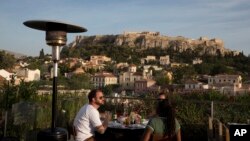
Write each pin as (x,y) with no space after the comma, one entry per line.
(197,61)
(148,59)
(142,85)
(28,75)
(127,79)
(5,74)
(235,80)
(164,60)
(228,84)
(102,79)
(195,85)
(147,67)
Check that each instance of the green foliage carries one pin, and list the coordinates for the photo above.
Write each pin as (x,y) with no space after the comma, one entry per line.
(203,68)
(9,95)
(35,63)
(161,78)
(181,73)
(27,90)
(108,89)
(109,67)
(190,113)
(81,81)
(64,68)
(7,61)
(215,96)
(244,99)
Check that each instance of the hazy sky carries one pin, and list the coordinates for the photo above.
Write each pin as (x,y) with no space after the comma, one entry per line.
(228,20)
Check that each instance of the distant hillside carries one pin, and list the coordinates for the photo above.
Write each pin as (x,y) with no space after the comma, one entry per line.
(16,55)
(145,40)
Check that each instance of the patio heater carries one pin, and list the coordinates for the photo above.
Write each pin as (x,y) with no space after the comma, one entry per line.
(55,37)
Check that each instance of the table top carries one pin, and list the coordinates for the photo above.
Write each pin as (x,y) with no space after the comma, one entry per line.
(117,125)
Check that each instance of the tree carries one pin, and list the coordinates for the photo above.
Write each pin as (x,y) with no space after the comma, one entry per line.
(219,69)
(164,80)
(64,67)
(64,52)
(7,61)
(203,68)
(183,73)
(41,54)
(34,63)
(27,90)
(80,81)
(161,78)
(108,89)
(9,95)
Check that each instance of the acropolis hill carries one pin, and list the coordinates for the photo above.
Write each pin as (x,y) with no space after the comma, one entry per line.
(147,39)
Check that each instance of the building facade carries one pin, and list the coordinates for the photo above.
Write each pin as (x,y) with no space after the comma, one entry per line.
(164,60)
(235,80)
(28,75)
(103,79)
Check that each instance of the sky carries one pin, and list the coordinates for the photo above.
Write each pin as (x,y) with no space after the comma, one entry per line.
(228,20)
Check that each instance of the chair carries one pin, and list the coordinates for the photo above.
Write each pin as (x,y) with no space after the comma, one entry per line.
(71,130)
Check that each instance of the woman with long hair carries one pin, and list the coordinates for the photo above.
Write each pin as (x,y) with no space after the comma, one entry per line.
(164,126)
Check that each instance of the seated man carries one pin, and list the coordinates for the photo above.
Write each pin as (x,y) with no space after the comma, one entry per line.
(87,120)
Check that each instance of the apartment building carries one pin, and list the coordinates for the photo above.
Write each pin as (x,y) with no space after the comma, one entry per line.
(28,75)
(228,84)
(102,79)
(143,85)
(195,85)
(164,60)
(127,79)
(233,80)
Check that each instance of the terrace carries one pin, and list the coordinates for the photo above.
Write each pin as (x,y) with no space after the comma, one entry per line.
(27,117)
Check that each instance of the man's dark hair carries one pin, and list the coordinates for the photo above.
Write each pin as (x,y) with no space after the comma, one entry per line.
(92,94)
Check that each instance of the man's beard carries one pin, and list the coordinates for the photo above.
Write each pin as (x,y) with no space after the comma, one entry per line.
(99,103)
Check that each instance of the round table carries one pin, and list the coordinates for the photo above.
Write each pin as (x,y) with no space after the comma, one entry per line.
(119,132)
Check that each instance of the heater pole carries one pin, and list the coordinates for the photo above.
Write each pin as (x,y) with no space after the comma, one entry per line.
(55,37)
(55,57)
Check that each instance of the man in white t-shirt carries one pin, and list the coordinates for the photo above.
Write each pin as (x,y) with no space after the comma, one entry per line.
(87,120)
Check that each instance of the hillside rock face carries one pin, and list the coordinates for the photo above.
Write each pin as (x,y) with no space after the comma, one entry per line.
(144,40)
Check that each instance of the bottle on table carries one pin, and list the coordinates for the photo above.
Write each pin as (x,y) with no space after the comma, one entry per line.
(142,118)
(132,120)
(115,117)
(127,121)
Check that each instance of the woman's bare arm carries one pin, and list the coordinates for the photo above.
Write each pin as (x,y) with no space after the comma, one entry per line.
(147,134)
(178,135)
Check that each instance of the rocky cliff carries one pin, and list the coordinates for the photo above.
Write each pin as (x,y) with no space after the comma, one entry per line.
(144,40)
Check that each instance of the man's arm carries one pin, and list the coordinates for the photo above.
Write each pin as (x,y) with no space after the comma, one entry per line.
(101,129)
